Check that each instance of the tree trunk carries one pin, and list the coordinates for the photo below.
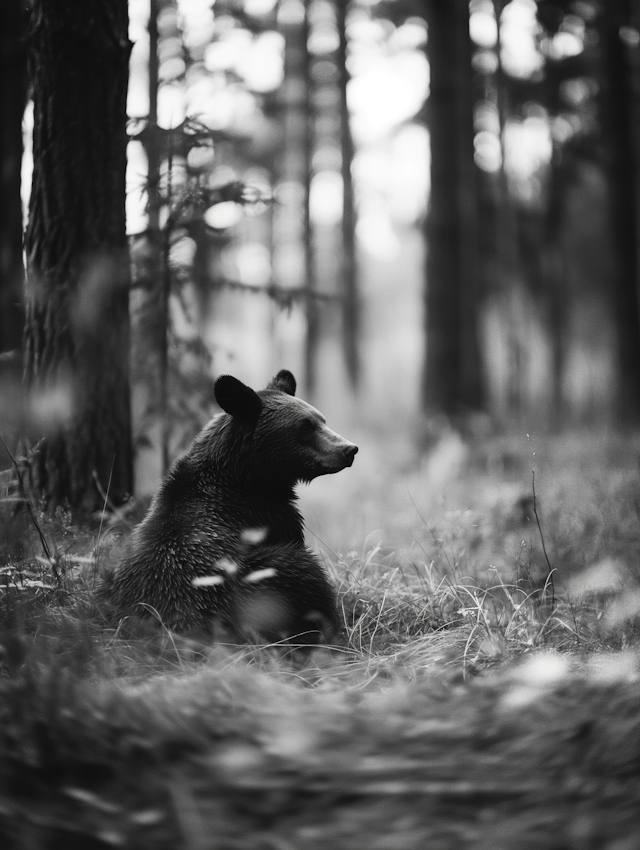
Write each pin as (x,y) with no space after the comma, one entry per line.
(618,105)
(351,315)
(312,339)
(452,376)
(555,284)
(149,304)
(77,328)
(293,239)
(508,251)
(13,93)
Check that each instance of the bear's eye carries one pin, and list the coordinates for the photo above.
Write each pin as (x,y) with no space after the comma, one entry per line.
(307,425)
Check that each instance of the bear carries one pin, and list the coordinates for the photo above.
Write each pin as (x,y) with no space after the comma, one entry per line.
(222,544)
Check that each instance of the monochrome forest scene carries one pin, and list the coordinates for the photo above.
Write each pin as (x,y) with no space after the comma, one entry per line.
(320,424)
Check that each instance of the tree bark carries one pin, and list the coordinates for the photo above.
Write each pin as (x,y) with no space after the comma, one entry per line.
(351,312)
(13,93)
(77,328)
(312,339)
(618,103)
(452,376)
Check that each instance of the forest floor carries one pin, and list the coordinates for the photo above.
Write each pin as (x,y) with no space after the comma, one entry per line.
(484,692)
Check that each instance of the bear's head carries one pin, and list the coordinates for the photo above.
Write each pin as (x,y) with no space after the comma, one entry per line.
(283,436)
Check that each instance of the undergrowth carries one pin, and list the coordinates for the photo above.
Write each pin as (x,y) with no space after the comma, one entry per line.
(451,600)
(130,735)
(398,610)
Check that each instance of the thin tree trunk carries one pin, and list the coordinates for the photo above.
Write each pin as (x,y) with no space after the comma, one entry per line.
(160,282)
(13,92)
(313,318)
(452,375)
(351,315)
(160,277)
(150,313)
(507,242)
(555,289)
(293,249)
(618,105)
(77,329)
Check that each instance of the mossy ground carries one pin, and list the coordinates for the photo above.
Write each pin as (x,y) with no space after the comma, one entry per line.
(484,692)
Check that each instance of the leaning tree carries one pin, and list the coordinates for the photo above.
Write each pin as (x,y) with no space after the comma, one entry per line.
(77,300)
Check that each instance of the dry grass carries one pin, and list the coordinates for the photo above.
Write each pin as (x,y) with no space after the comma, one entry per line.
(474,700)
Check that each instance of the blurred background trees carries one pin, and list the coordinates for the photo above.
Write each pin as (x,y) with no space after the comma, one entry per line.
(424,208)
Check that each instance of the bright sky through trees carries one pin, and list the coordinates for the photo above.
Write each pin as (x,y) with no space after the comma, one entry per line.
(389,85)
(390,79)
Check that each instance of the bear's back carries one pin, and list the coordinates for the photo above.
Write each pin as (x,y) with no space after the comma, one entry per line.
(215,501)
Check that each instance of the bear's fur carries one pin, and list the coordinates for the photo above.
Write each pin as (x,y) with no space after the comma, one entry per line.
(222,544)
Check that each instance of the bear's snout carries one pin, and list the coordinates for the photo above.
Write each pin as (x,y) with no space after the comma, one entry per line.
(333,452)
(350,451)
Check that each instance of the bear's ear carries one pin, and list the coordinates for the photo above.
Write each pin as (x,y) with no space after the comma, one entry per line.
(284,381)
(237,398)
